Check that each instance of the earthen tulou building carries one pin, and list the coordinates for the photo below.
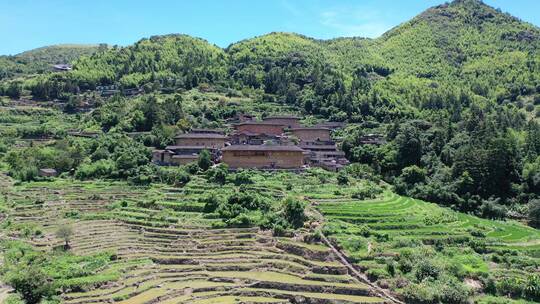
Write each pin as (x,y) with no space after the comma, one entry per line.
(276,142)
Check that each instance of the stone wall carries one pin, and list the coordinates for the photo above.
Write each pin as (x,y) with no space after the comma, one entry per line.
(263,159)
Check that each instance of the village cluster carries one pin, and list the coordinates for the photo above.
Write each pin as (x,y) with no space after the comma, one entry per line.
(277,142)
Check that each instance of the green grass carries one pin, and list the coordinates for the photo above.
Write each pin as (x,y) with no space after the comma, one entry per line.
(374,232)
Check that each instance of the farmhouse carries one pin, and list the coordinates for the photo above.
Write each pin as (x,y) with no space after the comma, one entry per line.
(372,139)
(313,134)
(263,156)
(326,156)
(181,155)
(286,121)
(62,67)
(46,172)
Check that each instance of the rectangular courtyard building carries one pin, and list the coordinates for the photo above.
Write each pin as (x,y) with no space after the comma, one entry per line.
(263,157)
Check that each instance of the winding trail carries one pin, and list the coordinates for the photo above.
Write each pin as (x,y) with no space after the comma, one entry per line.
(4,293)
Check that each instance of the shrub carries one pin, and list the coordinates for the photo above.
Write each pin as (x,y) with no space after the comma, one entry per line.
(375,274)
(249,200)
(532,287)
(100,168)
(142,175)
(510,287)
(342,178)
(370,191)
(211,202)
(413,175)
(173,176)
(26,173)
(241,221)
(243,177)
(205,160)
(218,174)
(30,282)
(534,213)
(192,168)
(492,209)
(447,290)
(294,212)
(427,269)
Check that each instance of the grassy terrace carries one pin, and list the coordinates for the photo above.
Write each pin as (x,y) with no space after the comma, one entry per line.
(169,253)
(374,233)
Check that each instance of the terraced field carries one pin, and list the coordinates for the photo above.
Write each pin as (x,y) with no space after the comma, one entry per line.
(374,232)
(169,253)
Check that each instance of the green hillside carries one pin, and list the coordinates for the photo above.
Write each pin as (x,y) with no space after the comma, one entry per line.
(40,60)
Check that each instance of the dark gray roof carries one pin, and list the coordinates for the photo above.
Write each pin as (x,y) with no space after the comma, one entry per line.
(201,135)
(282,117)
(260,123)
(309,128)
(331,124)
(262,148)
(207,131)
(188,148)
(186,156)
(319,147)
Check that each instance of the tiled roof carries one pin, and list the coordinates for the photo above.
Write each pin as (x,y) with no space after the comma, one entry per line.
(263,148)
(260,123)
(207,131)
(193,156)
(188,148)
(282,117)
(201,135)
(319,147)
(309,128)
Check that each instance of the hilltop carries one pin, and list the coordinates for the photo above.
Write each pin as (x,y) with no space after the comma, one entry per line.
(462,46)
(41,59)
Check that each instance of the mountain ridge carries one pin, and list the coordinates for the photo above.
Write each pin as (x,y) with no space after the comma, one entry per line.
(460,45)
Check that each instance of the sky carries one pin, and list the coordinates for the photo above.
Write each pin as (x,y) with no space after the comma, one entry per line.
(28,24)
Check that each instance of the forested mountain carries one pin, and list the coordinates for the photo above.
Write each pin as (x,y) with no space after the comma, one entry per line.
(40,60)
(464,46)
(469,43)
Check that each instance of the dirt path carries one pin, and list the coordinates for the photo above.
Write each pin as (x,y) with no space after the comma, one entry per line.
(4,293)
(383,293)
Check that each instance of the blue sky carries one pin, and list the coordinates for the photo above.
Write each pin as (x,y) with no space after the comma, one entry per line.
(27,24)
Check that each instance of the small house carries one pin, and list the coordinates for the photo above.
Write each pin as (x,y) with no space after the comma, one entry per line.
(47,172)
(62,67)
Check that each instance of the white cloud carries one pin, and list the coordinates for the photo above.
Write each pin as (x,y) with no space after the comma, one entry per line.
(354,21)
